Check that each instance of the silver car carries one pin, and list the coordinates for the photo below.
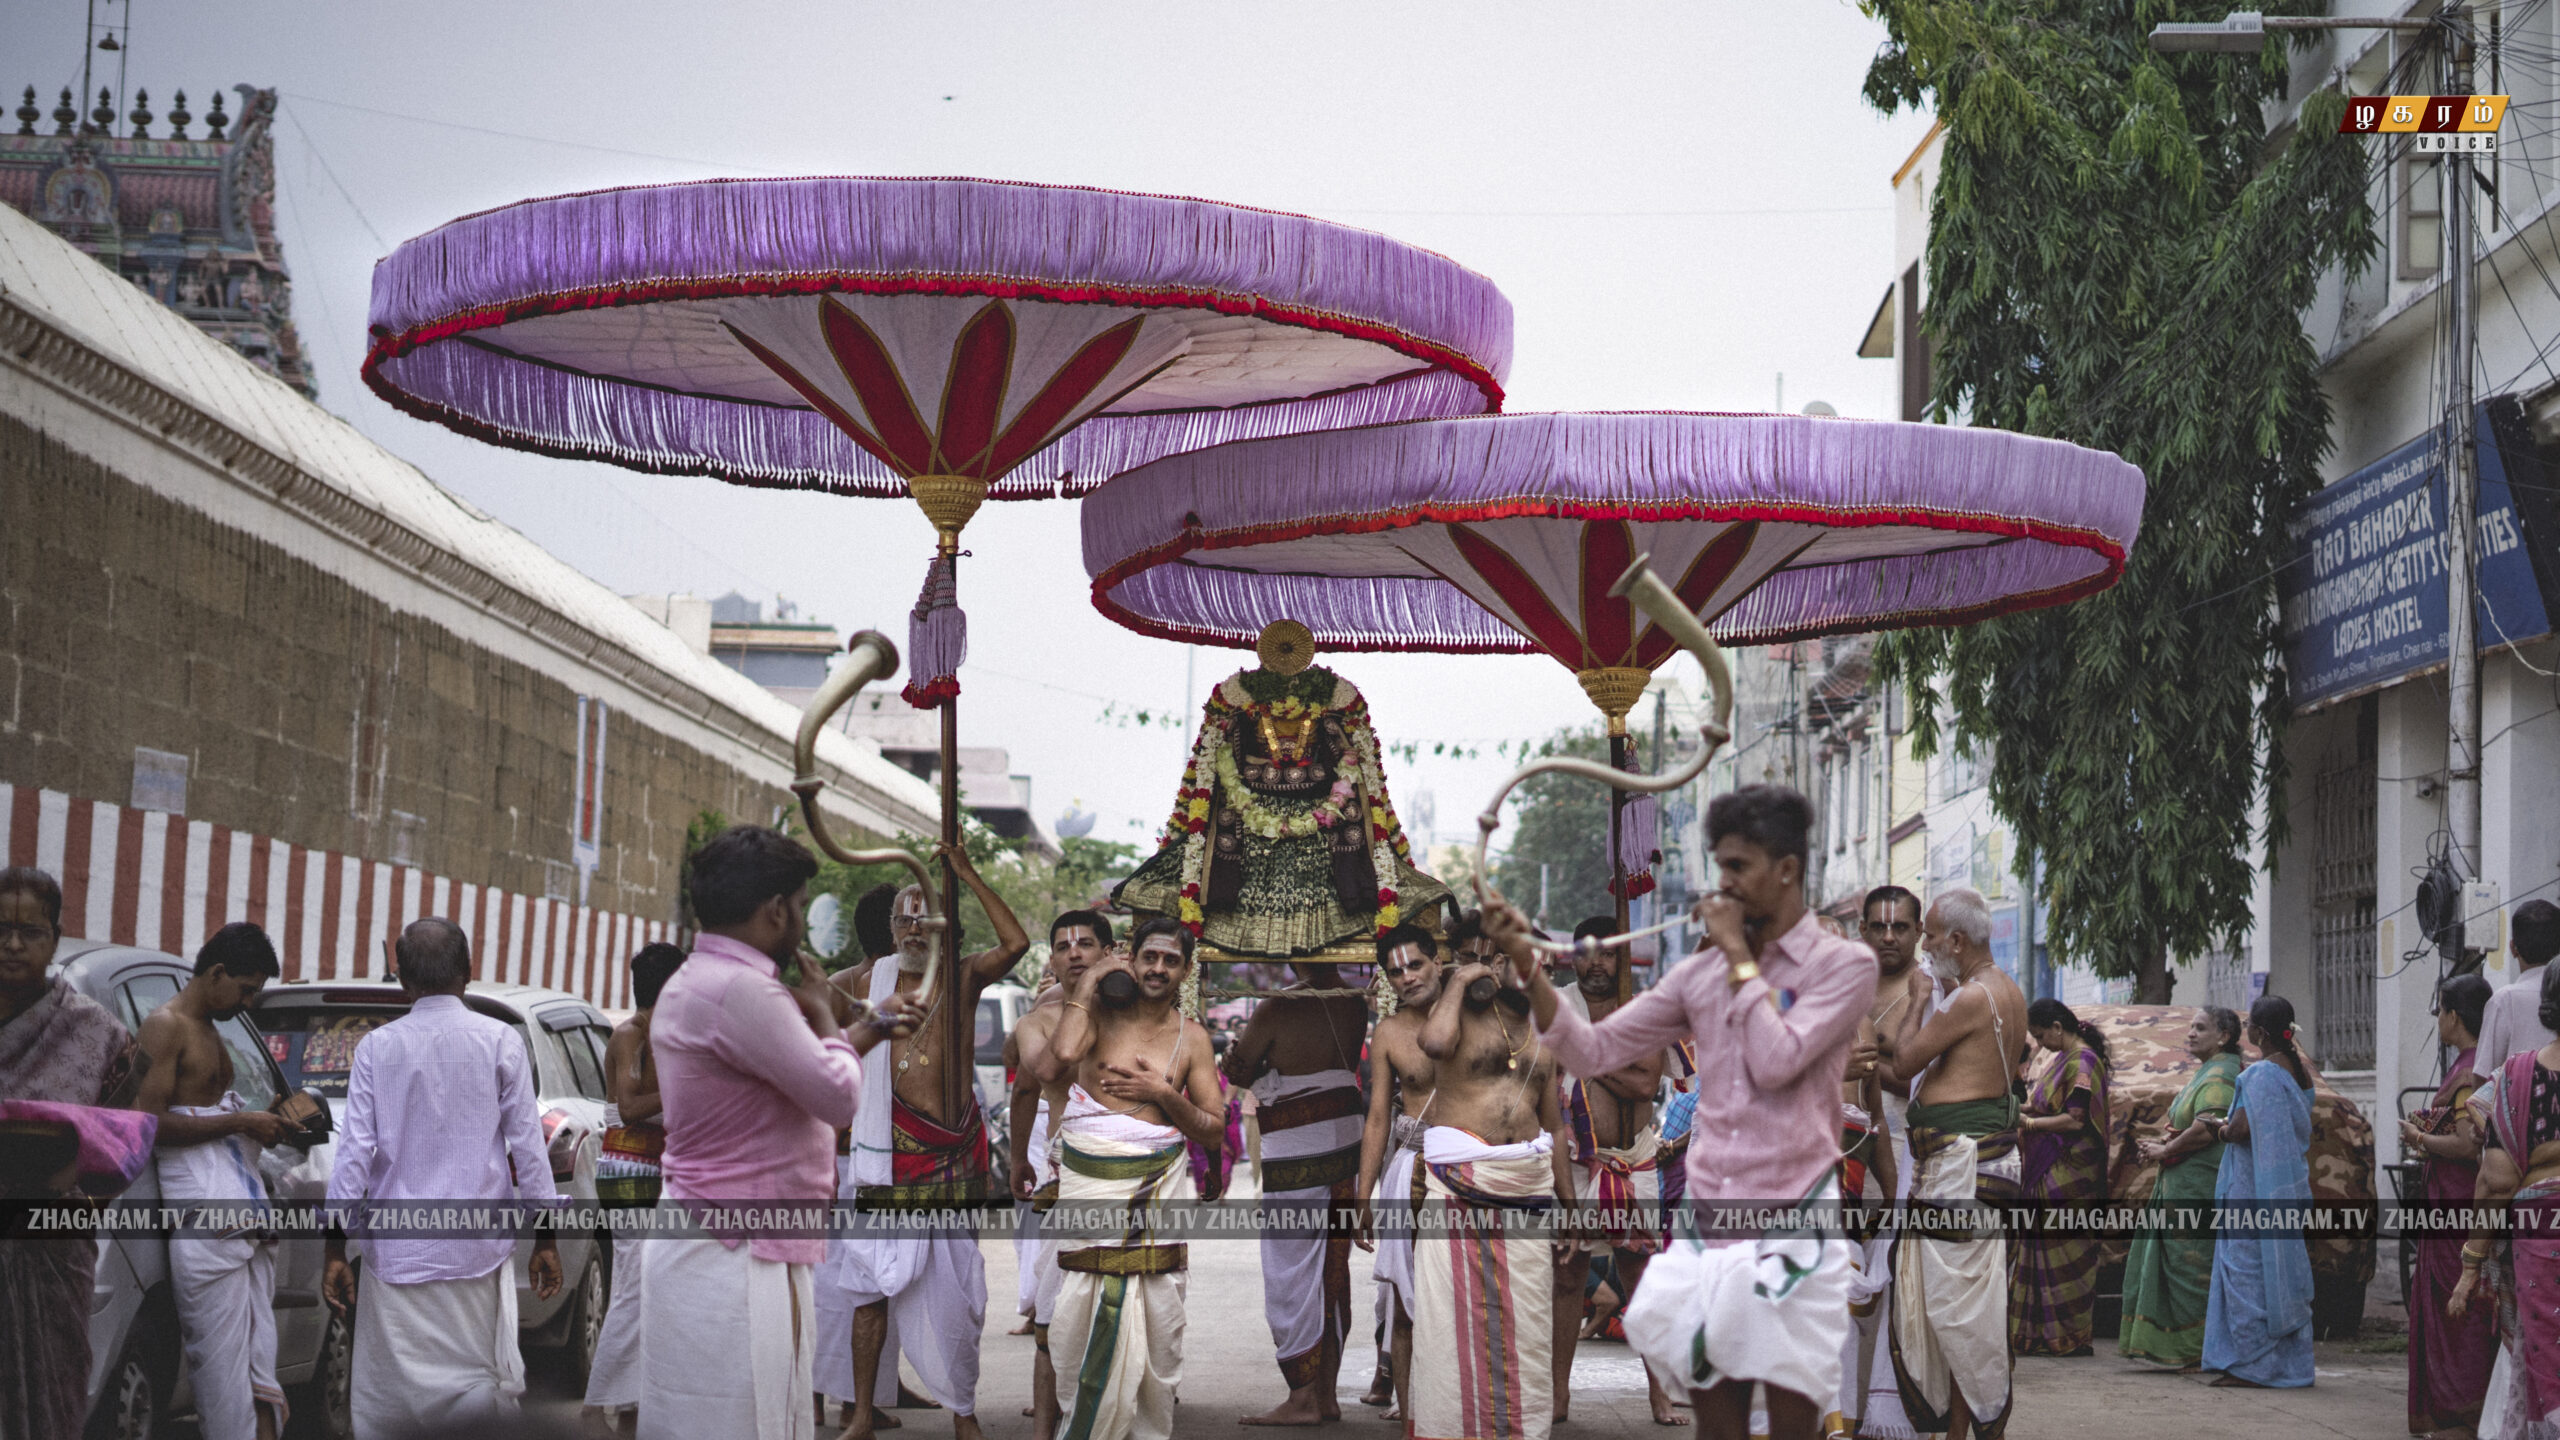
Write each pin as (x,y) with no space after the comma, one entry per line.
(137,1366)
(310,1031)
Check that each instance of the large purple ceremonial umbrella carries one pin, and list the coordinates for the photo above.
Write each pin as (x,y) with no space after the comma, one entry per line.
(947,339)
(1505,534)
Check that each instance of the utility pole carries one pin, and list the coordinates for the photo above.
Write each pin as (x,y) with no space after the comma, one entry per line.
(2462,485)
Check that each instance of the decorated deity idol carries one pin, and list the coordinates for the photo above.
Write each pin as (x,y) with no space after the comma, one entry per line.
(1283,844)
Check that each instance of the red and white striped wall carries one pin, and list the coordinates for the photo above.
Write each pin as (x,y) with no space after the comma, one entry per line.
(164,882)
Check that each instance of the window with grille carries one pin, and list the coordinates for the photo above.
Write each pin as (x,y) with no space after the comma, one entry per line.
(2343,954)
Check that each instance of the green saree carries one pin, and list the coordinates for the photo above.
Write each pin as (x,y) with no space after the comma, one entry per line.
(2168,1274)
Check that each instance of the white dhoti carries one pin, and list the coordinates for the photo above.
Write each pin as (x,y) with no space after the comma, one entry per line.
(729,1340)
(613,1380)
(832,1369)
(1483,1342)
(1393,1267)
(1950,1303)
(1870,1398)
(1774,1310)
(440,1356)
(224,1283)
(1311,1128)
(1026,1239)
(1116,1338)
(1623,1184)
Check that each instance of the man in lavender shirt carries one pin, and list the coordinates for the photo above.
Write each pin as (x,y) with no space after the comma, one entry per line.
(1774,1003)
(440,1111)
(755,1079)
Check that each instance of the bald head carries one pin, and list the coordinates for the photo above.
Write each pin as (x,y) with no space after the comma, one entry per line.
(435,957)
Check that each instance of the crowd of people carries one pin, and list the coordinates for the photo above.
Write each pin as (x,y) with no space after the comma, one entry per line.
(1790,1071)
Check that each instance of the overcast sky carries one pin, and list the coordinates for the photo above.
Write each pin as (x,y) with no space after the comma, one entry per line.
(1681,200)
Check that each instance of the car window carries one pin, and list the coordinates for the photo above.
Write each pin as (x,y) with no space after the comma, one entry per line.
(145,993)
(990,1039)
(315,1045)
(558,1076)
(585,1066)
(599,1037)
(251,1075)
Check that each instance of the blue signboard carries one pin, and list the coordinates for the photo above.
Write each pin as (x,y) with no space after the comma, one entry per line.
(2364,603)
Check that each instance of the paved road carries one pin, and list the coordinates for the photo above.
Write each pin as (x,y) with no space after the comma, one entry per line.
(1228,1371)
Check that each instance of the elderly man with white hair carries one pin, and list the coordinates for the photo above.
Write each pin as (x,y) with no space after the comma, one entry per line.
(1950,1322)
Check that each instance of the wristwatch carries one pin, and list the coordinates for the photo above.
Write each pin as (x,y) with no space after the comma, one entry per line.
(1742,972)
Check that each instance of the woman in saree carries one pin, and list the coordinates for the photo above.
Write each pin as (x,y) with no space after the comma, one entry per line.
(2169,1271)
(2520,1174)
(2257,1321)
(2449,1359)
(2062,1144)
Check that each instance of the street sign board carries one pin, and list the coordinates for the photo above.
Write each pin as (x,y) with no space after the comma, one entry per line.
(2363,599)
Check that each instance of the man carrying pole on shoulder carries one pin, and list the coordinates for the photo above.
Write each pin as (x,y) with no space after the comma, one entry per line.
(1131,1081)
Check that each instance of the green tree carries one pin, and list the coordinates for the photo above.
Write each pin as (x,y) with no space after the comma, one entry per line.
(1562,823)
(2119,255)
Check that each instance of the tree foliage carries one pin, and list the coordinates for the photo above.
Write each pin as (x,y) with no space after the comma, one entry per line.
(2120,256)
(1561,822)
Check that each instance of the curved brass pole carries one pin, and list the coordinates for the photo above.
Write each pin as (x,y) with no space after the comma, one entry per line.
(1655,599)
(869,657)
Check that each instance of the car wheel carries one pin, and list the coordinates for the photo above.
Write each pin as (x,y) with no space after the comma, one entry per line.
(129,1406)
(586,1322)
(333,1388)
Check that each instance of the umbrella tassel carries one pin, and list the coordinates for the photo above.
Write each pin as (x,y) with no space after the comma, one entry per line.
(937,639)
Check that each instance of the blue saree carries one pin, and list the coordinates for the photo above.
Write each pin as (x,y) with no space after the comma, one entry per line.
(2258,1319)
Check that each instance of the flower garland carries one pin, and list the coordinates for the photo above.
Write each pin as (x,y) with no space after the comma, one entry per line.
(1359,781)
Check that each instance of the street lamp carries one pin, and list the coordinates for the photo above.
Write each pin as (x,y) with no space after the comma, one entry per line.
(2244,32)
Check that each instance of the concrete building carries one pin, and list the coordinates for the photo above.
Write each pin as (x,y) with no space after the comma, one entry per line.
(2339,928)
(257,667)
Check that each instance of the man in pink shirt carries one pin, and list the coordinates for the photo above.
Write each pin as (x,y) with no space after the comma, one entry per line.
(755,1079)
(1774,1003)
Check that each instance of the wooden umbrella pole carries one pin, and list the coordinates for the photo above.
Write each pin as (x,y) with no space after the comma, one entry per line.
(948,501)
(1617,853)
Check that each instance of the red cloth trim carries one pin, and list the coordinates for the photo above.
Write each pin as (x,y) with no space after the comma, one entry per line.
(1191,539)
(932,693)
(393,345)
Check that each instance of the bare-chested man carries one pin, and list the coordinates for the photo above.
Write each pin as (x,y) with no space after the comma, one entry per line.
(1130,1079)
(1614,1148)
(209,1143)
(1391,1141)
(905,1152)
(1078,939)
(1951,1297)
(1875,1148)
(1491,1146)
(1300,1055)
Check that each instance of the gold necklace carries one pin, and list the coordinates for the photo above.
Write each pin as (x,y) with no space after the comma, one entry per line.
(1505,1022)
(916,1054)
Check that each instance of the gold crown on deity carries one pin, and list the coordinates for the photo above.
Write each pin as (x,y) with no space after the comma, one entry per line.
(1285,647)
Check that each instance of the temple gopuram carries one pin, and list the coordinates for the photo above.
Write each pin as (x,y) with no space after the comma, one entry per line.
(190,219)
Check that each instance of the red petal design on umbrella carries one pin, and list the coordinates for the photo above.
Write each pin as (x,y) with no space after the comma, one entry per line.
(1529,603)
(1059,398)
(1715,564)
(973,398)
(825,404)
(875,380)
(1608,624)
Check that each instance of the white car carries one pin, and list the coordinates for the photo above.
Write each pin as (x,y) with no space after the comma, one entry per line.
(1000,1008)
